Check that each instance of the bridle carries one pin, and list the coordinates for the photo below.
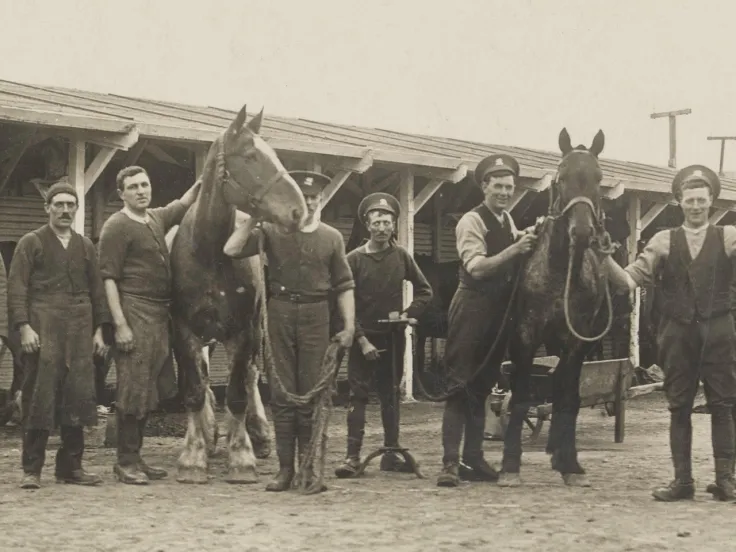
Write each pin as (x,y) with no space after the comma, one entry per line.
(554,210)
(253,201)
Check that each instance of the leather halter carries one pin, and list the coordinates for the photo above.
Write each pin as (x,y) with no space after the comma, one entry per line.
(554,209)
(253,200)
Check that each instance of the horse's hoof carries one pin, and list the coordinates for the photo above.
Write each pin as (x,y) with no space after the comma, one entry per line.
(506,479)
(242,476)
(192,476)
(262,449)
(576,480)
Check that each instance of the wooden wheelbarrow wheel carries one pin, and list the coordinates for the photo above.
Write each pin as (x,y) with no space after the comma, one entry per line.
(536,426)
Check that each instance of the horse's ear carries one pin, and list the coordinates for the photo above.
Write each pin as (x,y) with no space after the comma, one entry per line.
(237,123)
(255,123)
(564,142)
(598,143)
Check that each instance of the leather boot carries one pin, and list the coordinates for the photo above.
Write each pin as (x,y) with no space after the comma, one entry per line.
(724,485)
(348,468)
(31,481)
(682,487)
(477,470)
(449,475)
(285,437)
(79,477)
(130,475)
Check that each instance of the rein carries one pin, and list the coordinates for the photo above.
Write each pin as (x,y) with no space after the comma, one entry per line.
(600,244)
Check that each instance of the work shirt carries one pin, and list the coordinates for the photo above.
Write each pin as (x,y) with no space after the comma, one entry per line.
(379,278)
(470,236)
(649,262)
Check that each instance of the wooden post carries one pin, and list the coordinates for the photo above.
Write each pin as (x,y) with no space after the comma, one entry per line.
(76,179)
(200,158)
(634,217)
(723,149)
(406,239)
(673,131)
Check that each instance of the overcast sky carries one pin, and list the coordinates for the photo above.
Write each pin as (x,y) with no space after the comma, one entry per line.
(509,73)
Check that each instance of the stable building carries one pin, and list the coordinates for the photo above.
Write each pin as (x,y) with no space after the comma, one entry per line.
(48,132)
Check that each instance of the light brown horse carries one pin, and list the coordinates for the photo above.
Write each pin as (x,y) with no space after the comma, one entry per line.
(215,297)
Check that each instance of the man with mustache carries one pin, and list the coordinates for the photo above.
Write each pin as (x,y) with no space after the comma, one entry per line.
(379,269)
(57,302)
(691,267)
(136,269)
(304,269)
(489,247)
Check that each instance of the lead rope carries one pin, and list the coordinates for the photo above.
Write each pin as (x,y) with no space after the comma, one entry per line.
(320,396)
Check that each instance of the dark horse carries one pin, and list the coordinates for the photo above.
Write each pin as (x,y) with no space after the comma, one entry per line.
(565,257)
(217,298)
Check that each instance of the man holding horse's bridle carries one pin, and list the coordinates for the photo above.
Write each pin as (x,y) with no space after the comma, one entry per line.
(136,269)
(489,247)
(304,269)
(691,269)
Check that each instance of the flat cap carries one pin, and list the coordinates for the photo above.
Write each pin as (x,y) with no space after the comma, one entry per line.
(310,182)
(378,201)
(498,164)
(696,173)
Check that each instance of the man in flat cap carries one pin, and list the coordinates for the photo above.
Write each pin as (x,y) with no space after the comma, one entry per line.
(379,269)
(136,270)
(489,247)
(691,269)
(57,301)
(304,269)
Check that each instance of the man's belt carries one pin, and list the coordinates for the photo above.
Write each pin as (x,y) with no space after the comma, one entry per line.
(295,297)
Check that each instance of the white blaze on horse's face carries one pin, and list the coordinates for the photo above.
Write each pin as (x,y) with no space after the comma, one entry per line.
(696,203)
(255,168)
(498,191)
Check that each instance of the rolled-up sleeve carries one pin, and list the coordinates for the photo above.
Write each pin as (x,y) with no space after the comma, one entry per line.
(112,250)
(340,273)
(470,239)
(647,263)
(729,240)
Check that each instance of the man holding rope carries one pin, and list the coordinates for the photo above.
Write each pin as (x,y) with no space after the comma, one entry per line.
(489,246)
(304,268)
(691,267)
(379,269)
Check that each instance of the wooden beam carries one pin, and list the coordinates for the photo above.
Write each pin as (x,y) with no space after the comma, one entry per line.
(384,183)
(448,175)
(135,153)
(119,140)
(63,120)
(426,194)
(519,194)
(358,166)
(716,217)
(406,240)
(77,179)
(101,160)
(159,153)
(615,192)
(635,228)
(98,195)
(335,184)
(541,184)
(651,214)
(14,155)
(200,158)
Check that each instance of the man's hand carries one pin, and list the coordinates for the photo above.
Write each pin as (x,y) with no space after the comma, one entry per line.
(345,338)
(191,194)
(124,338)
(98,343)
(526,243)
(29,340)
(368,349)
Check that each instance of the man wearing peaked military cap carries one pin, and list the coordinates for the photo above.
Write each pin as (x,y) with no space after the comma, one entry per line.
(379,268)
(306,269)
(489,247)
(691,267)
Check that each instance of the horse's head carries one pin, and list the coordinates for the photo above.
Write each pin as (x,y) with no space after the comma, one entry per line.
(256,181)
(578,187)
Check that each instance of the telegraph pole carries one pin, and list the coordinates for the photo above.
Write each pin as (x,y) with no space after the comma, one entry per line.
(673,131)
(723,149)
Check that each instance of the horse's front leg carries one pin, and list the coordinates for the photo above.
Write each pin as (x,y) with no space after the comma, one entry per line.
(256,422)
(241,461)
(565,409)
(199,401)
(522,347)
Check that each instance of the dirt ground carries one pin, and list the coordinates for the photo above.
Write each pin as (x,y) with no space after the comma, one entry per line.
(384,511)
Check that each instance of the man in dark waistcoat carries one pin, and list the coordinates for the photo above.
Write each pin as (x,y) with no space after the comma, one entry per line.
(379,269)
(136,270)
(489,246)
(691,268)
(57,302)
(304,268)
